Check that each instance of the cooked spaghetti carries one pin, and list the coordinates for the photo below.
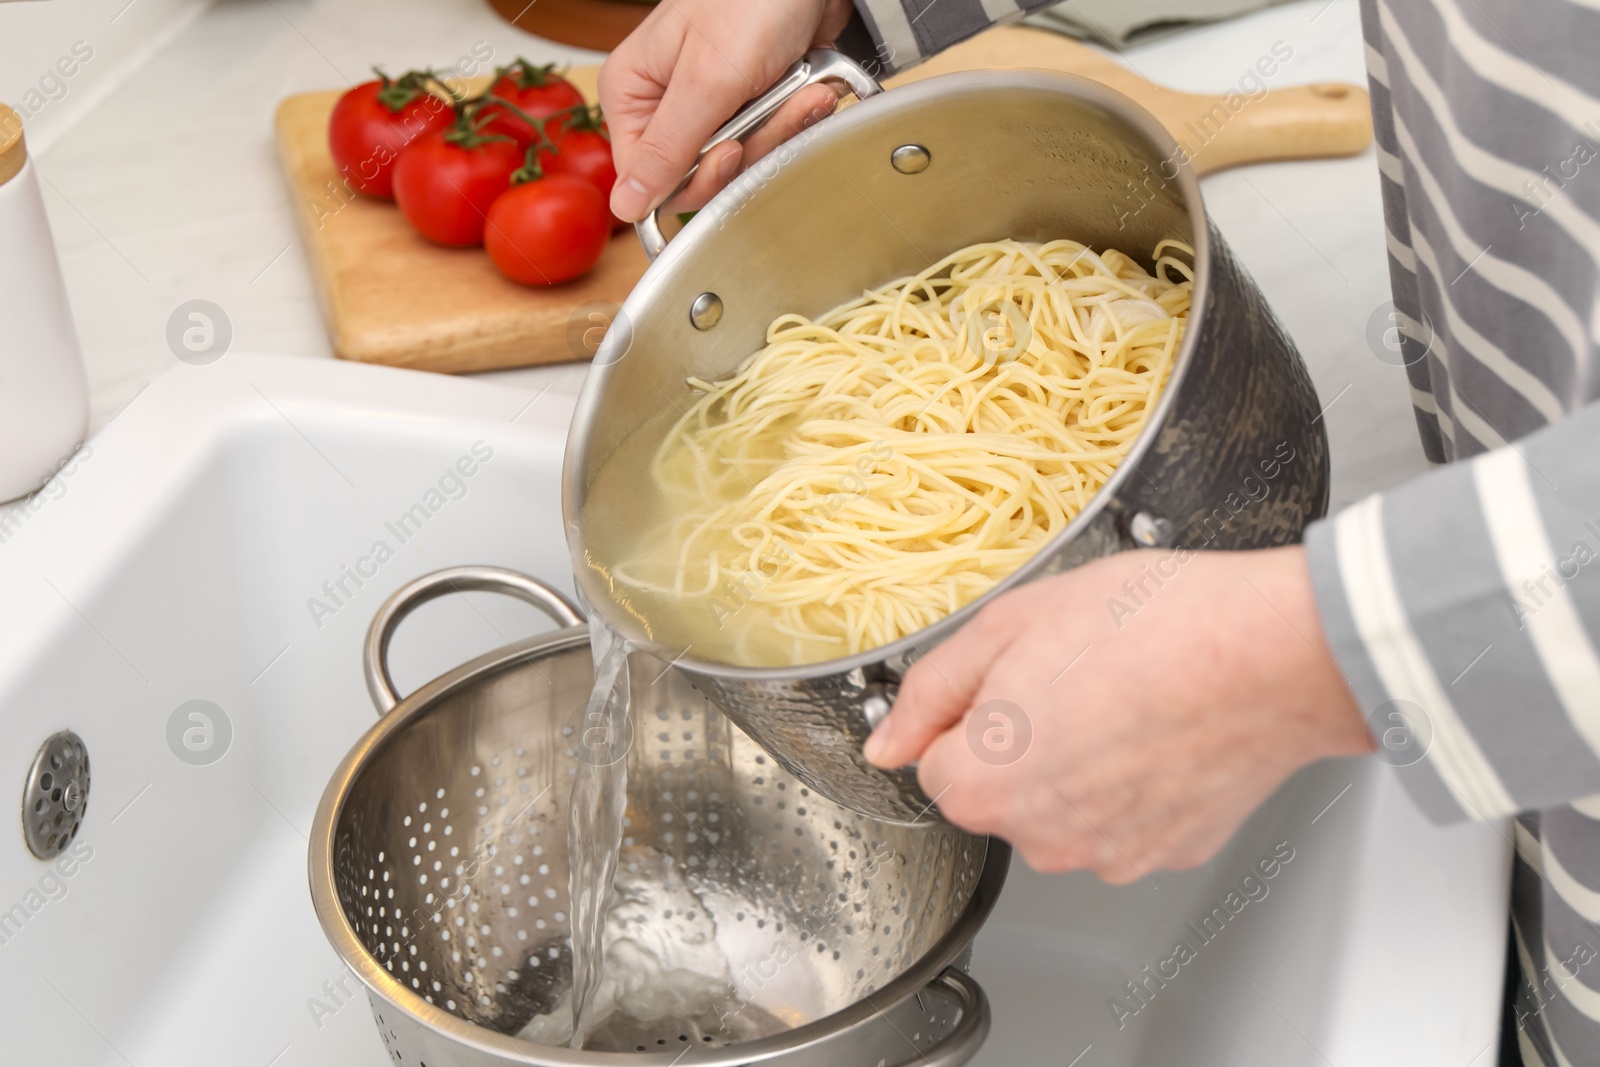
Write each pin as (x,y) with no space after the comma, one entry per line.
(870,472)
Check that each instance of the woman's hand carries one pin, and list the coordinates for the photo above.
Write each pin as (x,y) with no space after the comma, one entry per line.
(685,71)
(1127,715)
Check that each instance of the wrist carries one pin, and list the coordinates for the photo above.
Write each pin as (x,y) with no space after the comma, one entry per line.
(1298,666)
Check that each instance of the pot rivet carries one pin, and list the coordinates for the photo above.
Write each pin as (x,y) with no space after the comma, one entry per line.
(876,702)
(1150,531)
(706,311)
(910,159)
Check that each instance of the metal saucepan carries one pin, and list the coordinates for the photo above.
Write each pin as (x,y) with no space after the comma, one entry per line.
(438,868)
(1233,457)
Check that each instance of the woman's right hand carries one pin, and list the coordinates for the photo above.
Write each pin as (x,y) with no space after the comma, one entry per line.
(684,72)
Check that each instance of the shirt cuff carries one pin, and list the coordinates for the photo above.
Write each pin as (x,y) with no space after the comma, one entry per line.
(1462,609)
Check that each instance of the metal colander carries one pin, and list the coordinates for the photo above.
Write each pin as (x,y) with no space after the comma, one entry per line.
(750,919)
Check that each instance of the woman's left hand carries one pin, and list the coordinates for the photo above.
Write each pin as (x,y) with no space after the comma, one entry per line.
(1128,715)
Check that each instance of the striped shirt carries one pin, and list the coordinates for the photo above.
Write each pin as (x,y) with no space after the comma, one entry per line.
(1465,605)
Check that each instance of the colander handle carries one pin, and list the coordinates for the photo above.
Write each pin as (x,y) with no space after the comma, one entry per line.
(962,1043)
(414,594)
(817,65)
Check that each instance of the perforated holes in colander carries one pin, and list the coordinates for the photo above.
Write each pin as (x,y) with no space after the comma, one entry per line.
(476,896)
(391,1040)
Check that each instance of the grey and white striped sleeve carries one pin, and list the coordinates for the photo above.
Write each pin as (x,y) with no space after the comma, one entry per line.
(887,36)
(1468,603)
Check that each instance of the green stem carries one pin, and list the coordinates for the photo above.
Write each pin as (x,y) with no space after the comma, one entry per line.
(526,74)
(530,171)
(456,99)
(537,125)
(589,117)
(468,130)
(397,94)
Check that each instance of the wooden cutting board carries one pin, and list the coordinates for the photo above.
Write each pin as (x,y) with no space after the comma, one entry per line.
(391,297)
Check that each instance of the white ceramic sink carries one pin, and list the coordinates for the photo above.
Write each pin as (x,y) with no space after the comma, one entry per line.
(184,558)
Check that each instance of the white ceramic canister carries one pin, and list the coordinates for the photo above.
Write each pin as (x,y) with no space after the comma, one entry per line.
(44,397)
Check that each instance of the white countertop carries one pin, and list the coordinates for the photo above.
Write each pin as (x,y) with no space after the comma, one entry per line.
(170,190)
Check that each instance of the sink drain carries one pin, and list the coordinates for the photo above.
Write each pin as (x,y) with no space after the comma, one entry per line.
(56,796)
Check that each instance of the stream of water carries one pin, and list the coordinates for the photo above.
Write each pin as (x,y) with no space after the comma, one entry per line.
(594,823)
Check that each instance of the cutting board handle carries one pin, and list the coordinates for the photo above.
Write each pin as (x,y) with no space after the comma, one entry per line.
(1295,122)
(1286,122)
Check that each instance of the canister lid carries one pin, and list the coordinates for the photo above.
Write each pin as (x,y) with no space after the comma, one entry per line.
(13,153)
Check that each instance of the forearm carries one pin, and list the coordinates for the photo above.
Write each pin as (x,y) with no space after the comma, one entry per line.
(1471,595)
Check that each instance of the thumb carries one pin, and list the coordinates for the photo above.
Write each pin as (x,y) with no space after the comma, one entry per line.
(699,98)
(938,691)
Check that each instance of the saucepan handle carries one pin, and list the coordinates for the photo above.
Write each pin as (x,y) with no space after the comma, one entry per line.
(962,1043)
(414,594)
(819,64)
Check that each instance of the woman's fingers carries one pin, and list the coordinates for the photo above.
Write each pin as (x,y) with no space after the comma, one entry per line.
(938,691)
(699,97)
(633,79)
(717,169)
(724,162)
(684,72)
(806,108)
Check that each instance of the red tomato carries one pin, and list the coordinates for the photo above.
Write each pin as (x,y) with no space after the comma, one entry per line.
(585,152)
(445,190)
(373,122)
(538,91)
(548,230)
